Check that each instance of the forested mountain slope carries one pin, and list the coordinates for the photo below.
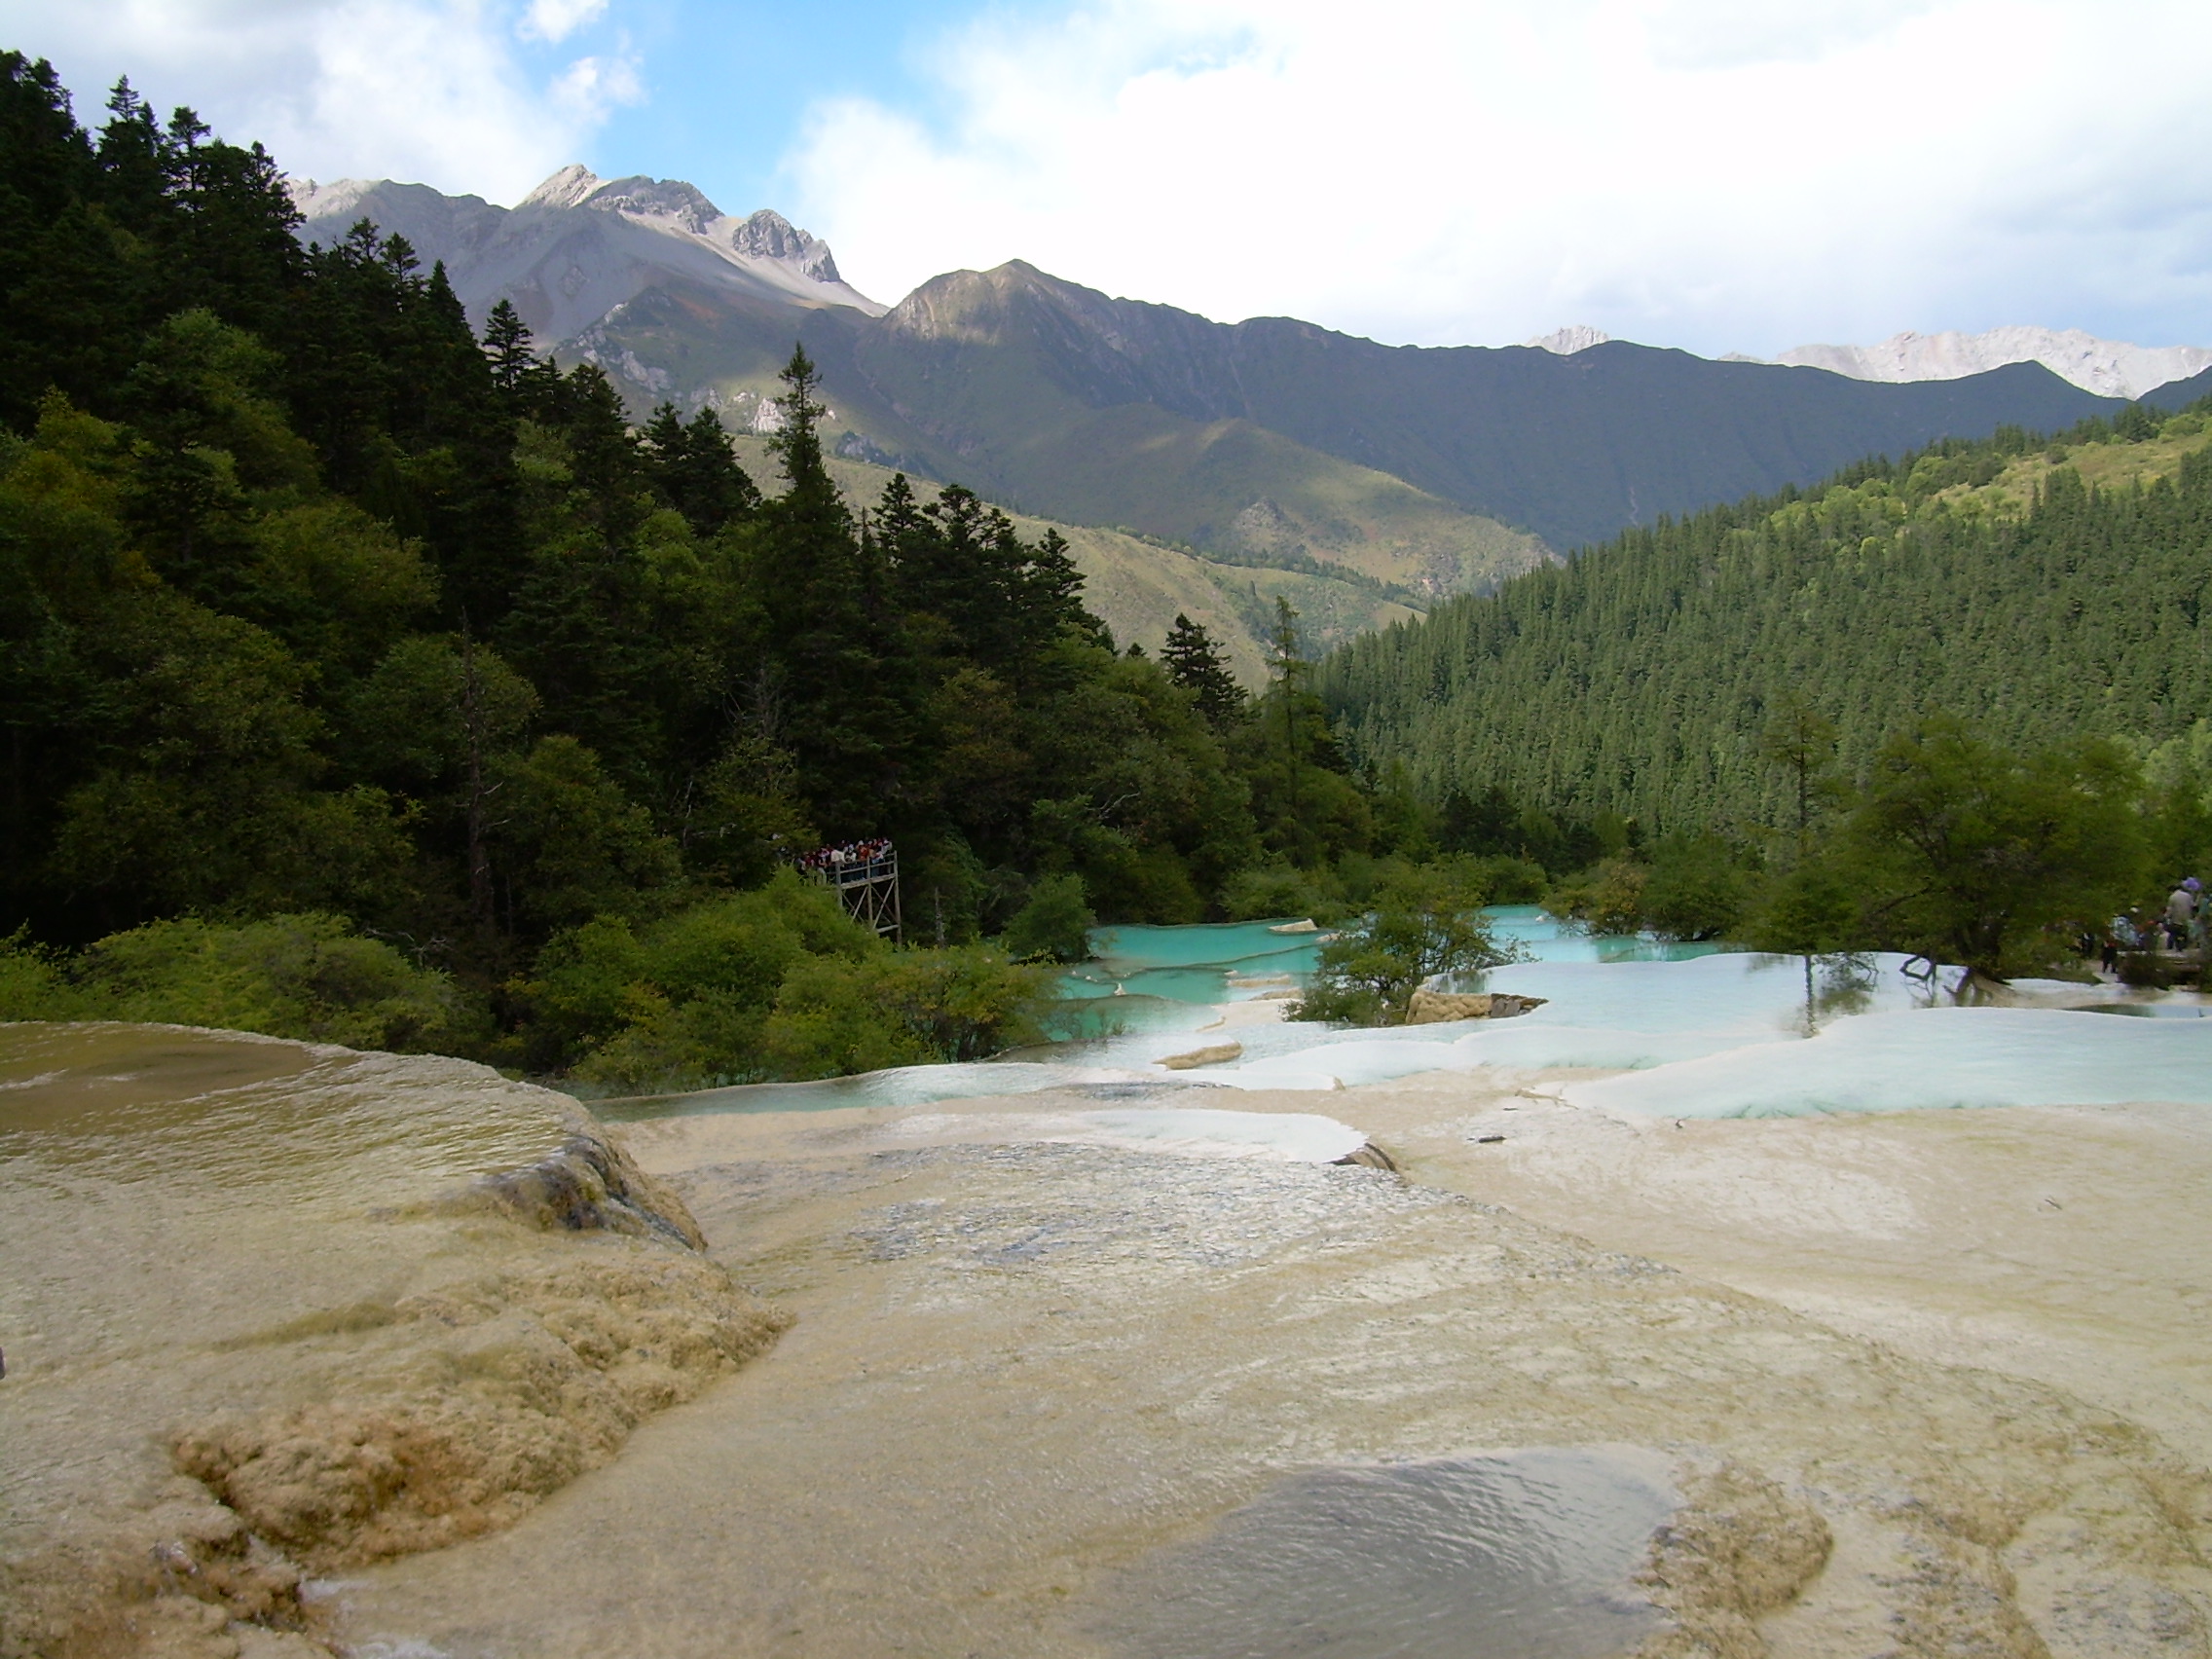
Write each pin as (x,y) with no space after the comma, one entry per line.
(680,301)
(1571,447)
(1439,470)
(312,599)
(1092,409)
(1138,588)
(1032,442)
(2040,591)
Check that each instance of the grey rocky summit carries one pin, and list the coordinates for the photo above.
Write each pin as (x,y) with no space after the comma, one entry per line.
(579,246)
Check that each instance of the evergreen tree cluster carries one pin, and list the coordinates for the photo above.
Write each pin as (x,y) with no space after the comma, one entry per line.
(315,603)
(1633,693)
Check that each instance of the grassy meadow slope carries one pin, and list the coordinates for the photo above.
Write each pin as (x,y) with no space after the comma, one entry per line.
(1139,587)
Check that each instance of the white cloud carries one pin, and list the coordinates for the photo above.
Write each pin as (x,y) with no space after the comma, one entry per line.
(555,21)
(1715,174)
(590,87)
(429,90)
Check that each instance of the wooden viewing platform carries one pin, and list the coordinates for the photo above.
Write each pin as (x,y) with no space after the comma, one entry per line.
(866,886)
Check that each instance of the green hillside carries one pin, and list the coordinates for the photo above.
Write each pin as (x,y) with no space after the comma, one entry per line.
(370,678)
(1005,362)
(2039,590)
(1138,588)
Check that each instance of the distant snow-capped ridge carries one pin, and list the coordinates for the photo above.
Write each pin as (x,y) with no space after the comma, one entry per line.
(2110,368)
(1574,337)
(579,246)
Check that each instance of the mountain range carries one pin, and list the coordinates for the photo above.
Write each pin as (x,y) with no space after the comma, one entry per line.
(1272,440)
(2110,368)
(577,246)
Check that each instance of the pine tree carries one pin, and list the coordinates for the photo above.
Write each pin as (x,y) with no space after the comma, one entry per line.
(1196,664)
(1052,597)
(518,373)
(695,471)
(836,663)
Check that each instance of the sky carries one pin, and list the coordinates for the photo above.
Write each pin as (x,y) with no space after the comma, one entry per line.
(1714,174)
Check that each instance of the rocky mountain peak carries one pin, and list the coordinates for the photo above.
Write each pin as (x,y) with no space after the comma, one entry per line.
(768,234)
(568,188)
(670,200)
(1565,342)
(2110,368)
(578,244)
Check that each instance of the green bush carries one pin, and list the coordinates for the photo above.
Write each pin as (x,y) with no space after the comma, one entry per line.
(1510,881)
(967,1003)
(1810,911)
(1697,889)
(829,1021)
(680,1001)
(305,976)
(775,983)
(1277,890)
(34,983)
(1427,920)
(1054,926)
(1606,899)
(901,1008)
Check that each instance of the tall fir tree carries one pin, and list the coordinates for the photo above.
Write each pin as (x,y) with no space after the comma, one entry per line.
(1196,664)
(835,659)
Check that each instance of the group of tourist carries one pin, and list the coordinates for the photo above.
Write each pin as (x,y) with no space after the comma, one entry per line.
(829,860)
(2179,925)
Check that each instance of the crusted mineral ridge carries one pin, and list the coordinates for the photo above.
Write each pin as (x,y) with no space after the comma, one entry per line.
(533,1319)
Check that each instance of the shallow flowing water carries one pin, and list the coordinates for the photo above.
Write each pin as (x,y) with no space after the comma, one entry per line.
(1527,1552)
(1719,1032)
(1124,1371)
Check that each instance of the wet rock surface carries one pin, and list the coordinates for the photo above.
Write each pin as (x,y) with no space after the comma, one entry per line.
(1920,1388)
(278,1309)
(1024,1372)
(1212,1055)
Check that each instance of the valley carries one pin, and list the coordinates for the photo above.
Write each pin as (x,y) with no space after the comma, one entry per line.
(697,961)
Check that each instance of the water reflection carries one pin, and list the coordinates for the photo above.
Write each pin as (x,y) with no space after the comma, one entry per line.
(1139,968)
(1501,1557)
(1205,964)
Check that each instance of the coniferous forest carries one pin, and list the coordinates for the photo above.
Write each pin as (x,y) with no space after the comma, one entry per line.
(1638,679)
(1981,671)
(366,676)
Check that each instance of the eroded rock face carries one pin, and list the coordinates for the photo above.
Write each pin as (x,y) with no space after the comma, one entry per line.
(1739,1549)
(592,1185)
(277,1308)
(475,1403)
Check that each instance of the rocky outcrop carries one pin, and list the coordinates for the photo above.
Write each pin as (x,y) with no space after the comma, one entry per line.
(1435,1007)
(323,1334)
(592,1185)
(1739,1549)
(1214,1054)
(578,246)
(1369,1156)
(1565,342)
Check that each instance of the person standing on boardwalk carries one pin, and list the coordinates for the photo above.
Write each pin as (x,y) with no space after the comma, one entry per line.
(2181,913)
